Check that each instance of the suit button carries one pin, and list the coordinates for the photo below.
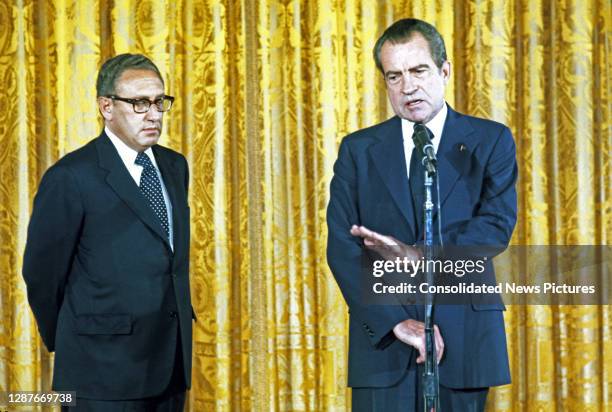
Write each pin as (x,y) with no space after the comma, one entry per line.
(173,275)
(173,314)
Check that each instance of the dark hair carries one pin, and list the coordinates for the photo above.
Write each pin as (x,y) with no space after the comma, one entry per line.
(403,30)
(113,68)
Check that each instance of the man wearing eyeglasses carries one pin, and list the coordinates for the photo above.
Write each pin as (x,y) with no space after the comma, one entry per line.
(106,262)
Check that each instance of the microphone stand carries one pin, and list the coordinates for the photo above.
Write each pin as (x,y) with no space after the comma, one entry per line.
(430,374)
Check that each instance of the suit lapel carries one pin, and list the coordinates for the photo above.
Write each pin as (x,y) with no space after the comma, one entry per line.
(390,161)
(454,160)
(120,180)
(455,152)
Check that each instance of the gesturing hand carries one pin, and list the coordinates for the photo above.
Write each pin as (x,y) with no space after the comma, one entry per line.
(386,246)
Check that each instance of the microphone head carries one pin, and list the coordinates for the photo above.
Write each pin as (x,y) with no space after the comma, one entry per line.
(420,137)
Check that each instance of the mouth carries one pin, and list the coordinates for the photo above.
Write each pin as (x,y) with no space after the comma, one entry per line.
(151,130)
(413,103)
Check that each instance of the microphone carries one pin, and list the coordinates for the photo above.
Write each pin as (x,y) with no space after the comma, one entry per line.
(424,147)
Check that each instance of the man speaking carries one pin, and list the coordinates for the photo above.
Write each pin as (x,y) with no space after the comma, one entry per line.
(376,198)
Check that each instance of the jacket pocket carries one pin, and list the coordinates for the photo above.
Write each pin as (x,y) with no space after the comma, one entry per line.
(103,324)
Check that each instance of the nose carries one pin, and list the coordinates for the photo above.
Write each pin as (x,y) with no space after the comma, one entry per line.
(409,85)
(153,113)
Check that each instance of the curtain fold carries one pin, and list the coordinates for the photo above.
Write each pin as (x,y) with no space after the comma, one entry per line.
(265,90)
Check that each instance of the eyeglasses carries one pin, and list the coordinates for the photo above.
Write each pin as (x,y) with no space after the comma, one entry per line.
(162,104)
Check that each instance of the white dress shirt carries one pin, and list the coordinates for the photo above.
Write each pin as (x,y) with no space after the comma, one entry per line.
(435,125)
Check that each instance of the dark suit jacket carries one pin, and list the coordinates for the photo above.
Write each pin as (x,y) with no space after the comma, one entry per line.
(477,173)
(109,295)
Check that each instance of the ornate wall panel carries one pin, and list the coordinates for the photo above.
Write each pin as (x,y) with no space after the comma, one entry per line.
(265,91)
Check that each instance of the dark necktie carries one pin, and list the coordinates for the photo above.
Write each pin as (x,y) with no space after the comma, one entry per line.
(417,181)
(150,186)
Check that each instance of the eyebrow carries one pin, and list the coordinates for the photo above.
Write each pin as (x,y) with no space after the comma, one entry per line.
(417,67)
(420,66)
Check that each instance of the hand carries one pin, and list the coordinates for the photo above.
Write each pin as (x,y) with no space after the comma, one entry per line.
(386,246)
(412,332)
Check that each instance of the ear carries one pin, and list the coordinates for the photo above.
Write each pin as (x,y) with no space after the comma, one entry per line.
(446,71)
(105,105)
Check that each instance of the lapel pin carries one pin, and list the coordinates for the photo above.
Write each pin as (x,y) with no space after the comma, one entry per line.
(462,147)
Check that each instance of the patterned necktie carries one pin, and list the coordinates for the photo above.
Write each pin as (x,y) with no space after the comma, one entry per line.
(150,186)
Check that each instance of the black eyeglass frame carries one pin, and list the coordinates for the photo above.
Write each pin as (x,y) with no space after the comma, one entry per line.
(155,102)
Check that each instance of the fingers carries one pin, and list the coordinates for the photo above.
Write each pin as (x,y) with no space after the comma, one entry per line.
(382,239)
(421,348)
(439,343)
(420,345)
(363,232)
(371,237)
(421,357)
(412,332)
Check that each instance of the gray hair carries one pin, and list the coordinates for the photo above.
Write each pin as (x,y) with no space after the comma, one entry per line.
(403,30)
(113,68)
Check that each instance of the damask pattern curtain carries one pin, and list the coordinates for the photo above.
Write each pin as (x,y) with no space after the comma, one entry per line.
(265,91)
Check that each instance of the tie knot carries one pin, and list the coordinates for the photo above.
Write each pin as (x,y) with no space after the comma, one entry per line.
(143,160)
(421,126)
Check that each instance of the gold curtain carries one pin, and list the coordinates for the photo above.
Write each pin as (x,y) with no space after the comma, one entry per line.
(265,91)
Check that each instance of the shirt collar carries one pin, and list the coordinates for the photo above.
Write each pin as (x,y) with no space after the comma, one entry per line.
(127,154)
(435,125)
